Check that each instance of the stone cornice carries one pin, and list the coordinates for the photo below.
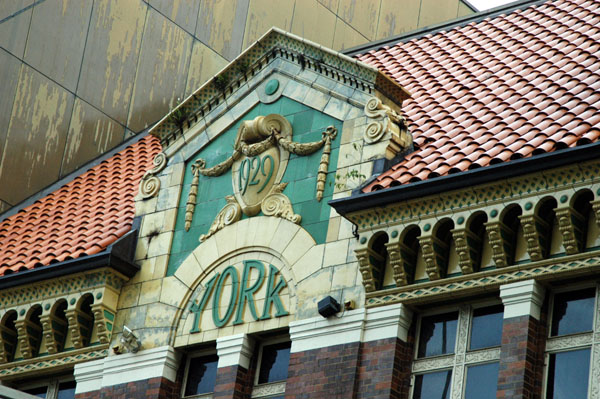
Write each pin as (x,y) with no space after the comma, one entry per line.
(275,44)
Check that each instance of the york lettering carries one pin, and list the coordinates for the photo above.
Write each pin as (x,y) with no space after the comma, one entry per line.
(241,295)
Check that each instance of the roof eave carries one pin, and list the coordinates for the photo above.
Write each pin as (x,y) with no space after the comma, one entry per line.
(363,201)
(118,256)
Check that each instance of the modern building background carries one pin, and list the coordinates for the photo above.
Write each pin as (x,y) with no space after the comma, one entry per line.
(78,77)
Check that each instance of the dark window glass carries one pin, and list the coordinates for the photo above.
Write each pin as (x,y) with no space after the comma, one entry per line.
(433,385)
(274,362)
(202,375)
(486,330)
(66,390)
(573,312)
(482,381)
(39,392)
(438,334)
(568,374)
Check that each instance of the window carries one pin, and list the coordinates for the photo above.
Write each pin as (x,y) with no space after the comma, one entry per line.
(569,345)
(200,375)
(61,388)
(273,361)
(458,353)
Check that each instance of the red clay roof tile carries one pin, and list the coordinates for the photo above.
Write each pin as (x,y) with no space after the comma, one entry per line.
(531,78)
(83,217)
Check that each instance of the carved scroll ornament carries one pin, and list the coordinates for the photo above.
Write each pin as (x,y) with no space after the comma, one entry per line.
(150,184)
(386,120)
(279,205)
(230,213)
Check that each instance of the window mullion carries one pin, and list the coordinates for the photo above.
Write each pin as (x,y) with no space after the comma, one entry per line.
(574,341)
(594,392)
(433,363)
(483,355)
(52,390)
(462,340)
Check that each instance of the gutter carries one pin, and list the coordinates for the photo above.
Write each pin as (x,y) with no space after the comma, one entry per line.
(487,174)
(118,256)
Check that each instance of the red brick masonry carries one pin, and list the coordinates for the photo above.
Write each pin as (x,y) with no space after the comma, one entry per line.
(233,382)
(154,388)
(520,358)
(373,370)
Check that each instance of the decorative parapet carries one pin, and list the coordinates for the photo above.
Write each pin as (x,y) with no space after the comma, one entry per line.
(104,319)
(536,234)
(596,210)
(57,321)
(80,325)
(502,242)
(468,285)
(435,256)
(468,249)
(572,226)
(370,273)
(8,343)
(388,125)
(55,332)
(30,336)
(402,260)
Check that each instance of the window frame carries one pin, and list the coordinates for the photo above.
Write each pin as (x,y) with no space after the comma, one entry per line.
(575,341)
(268,389)
(51,383)
(189,357)
(463,357)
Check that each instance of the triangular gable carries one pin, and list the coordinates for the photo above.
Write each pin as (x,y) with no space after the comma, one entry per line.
(249,164)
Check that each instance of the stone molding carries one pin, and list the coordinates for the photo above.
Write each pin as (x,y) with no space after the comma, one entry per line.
(318,332)
(360,325)
(523,298)
(235,350)
(118,369)
(387,322)
(273,45)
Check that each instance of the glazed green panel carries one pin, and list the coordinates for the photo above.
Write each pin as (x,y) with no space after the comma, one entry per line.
(300,174)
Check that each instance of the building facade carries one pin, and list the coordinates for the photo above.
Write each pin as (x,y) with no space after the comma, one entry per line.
(418,221)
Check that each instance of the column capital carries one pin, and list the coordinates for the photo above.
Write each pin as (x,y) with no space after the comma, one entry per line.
(523,298)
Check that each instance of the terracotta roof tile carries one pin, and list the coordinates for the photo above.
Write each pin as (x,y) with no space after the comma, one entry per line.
(81,218)
(507,87)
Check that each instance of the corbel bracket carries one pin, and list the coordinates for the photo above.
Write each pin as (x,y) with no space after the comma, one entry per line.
(468,248)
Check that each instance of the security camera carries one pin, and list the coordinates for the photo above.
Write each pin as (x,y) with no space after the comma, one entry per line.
(130,341)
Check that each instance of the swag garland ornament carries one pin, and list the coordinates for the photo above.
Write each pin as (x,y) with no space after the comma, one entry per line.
(258,162)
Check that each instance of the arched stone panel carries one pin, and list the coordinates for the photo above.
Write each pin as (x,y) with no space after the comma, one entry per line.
(269,240)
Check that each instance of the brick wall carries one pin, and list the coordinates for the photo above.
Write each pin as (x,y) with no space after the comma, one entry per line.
(519,373)
(233,382)
(323,373)
(154,388)
(384,369)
